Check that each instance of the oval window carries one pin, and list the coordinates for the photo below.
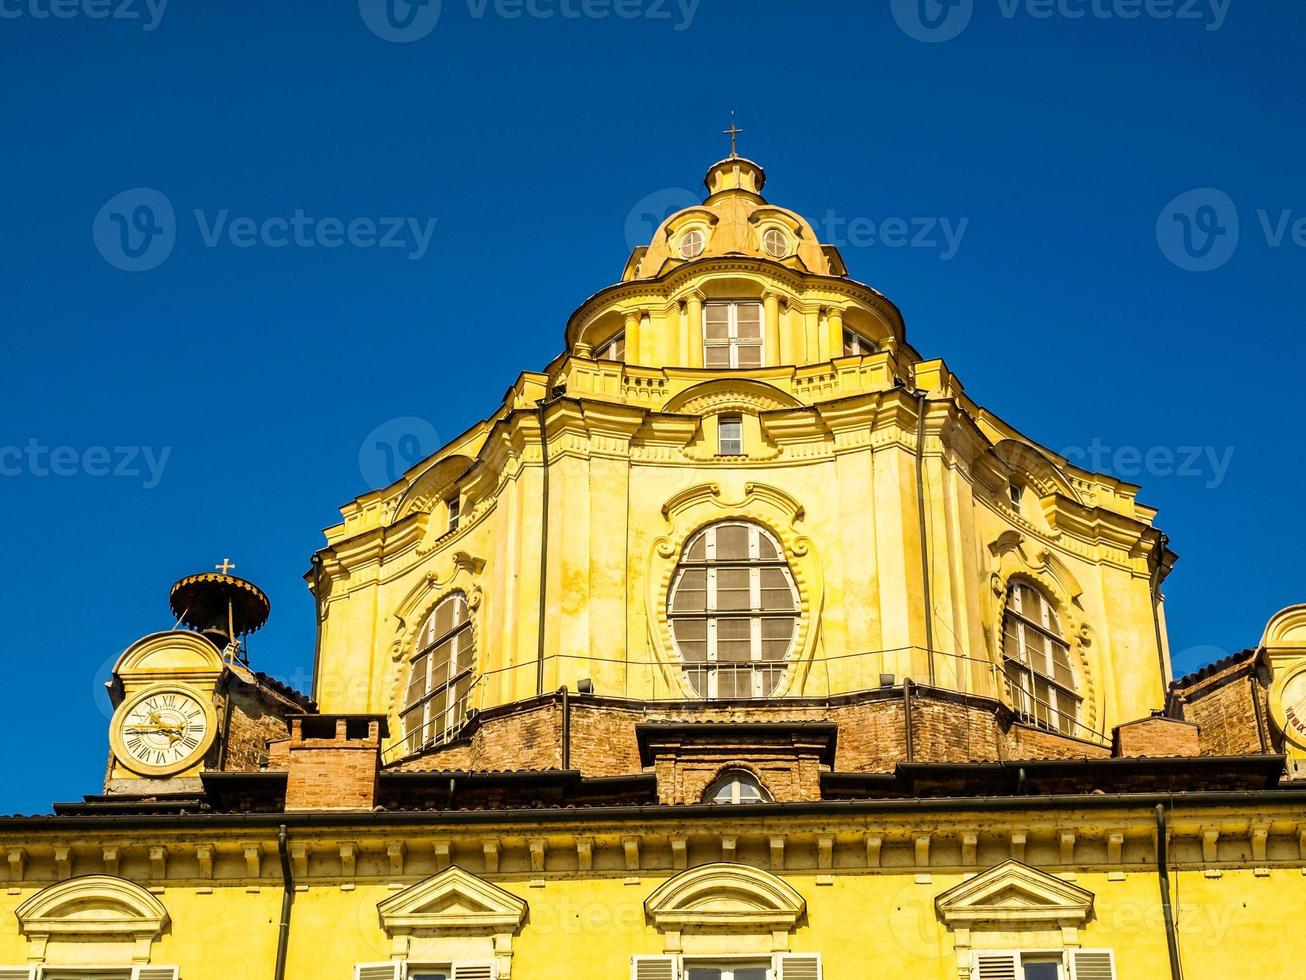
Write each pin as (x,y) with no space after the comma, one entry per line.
(692,244)
(776,243)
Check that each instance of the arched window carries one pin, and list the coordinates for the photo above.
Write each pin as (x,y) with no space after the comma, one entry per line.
(733,609)
(736,786)
(1036,661)
(441,677)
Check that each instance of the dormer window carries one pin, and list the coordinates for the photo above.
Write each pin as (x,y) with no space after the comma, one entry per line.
(692,244)
(455,507)
(614,349)
(776,243)
(732,335)
(855,344)
(737,786)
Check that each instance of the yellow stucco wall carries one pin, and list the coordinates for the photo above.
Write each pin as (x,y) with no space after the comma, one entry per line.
(588,928)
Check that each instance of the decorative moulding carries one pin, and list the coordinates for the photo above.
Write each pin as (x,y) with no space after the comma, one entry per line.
(1014,894)
(725,898)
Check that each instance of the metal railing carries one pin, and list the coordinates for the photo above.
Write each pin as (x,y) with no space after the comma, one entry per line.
(764,681)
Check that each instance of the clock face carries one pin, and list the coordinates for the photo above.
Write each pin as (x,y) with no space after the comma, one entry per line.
(163,731)
(1293,705)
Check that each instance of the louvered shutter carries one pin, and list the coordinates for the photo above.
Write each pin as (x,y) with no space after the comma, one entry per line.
(655,968)
(995,966)
(156,973)
(473,971)
(376,971)
(1092,964)
(798,966)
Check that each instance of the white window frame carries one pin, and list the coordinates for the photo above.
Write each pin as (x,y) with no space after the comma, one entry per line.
(779,966)
(734,779)
(1009,964)
(786,239)
(683,248)
(757,665)
(860,346)
(733,341)
(728,965)
(1042,621)
(613,350)
(454,508)
(89,973)
(442,701)
(732,445)
(455,970)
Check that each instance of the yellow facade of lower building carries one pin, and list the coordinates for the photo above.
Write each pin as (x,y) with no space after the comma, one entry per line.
(869,889)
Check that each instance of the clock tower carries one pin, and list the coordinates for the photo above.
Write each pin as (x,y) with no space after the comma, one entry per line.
(1284,646)
(168,687)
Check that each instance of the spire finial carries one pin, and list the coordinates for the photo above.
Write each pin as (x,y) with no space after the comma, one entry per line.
(733,132)
(226,566)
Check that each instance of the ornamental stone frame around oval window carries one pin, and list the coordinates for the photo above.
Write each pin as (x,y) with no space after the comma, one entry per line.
(1053,578)
(692,510)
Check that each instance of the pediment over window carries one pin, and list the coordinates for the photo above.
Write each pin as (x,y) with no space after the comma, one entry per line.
(723,898)
(1014,893)
(93,906)
(453,901)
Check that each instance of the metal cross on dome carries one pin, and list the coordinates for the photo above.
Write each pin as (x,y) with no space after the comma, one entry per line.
(733,132)
(226,566)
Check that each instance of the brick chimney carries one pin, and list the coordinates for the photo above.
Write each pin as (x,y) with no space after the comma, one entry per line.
(334,761)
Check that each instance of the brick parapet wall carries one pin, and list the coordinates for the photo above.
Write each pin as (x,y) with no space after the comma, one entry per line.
(872,736)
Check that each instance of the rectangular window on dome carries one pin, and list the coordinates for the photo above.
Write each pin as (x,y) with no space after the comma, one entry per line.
(455,506)
(613,350)
(855,344)
(730,435)
(732,335)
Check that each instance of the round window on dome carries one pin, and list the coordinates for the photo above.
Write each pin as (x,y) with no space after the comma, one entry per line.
(692,244)
(776,243)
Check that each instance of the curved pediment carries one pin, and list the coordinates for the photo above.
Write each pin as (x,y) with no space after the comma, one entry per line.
(1036,469)
(452,901)
(730,394)
(1286,630)
(725,897)
(172,654)
(1014,893)
(92,905)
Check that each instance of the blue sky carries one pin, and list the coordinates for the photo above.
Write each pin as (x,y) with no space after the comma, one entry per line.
(1086,295)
